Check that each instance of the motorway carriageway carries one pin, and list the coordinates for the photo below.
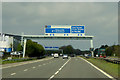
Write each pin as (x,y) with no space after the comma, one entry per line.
(73,68)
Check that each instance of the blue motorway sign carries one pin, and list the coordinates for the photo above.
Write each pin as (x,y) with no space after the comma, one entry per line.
(48,26)
(51,47)
(77,29)
(57,30)
(8,49)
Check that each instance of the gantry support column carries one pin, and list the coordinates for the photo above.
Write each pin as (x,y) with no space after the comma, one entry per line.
(24,47)
(91,41)
(22,38)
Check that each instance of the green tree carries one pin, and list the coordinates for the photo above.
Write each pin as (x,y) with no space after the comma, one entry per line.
(77,51)
(19,47)
(116,50)
(111,50)
(34,49)
(67,49)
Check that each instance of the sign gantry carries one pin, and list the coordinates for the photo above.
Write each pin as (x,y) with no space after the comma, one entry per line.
(61,32)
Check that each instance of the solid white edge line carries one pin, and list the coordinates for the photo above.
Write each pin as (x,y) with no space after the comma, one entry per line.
(59,69)
(109,76)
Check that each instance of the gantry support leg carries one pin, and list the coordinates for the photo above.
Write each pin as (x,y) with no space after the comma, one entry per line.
(24,47)
(91,41)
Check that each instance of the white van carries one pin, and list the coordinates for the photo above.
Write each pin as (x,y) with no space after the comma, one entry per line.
(56,55)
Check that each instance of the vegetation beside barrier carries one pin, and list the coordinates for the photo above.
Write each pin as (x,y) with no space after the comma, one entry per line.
(113,50)
(34,51)
(108,67)
(17,60)
(20,60)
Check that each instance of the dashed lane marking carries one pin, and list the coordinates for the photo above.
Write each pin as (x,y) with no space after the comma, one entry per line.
(13,74)
(33,67)
(44,64)
(59,69)
(39,65)
(25,63)
(25,69)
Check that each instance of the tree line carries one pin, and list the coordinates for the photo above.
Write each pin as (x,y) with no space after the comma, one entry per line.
(113,50)
(70,50)
(33,49)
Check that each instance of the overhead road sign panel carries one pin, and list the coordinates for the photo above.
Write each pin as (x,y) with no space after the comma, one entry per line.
(51,47)
(47,26)
(55,47)
(57,30)
(65,30)
(77,29)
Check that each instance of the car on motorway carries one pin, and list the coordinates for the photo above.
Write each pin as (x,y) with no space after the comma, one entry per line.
(61,54)
(56,55)
(16,53)
(65,56)
(52,54)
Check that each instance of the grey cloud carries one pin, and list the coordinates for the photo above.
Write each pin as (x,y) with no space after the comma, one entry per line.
(60,1)
(100,19)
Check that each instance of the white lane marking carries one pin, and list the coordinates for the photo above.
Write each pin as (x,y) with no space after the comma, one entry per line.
(51,77)
(44,64)
(99,69)
(25,63)
(5,67)
(57,72)
(13,74)
(39,65)
(59,69)
(9,66)
(25,69)
(33,67)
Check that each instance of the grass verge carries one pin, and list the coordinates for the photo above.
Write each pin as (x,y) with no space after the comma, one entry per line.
(6,62)
(21,60)
(108,67)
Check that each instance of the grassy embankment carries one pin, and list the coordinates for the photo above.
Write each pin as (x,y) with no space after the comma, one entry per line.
(108,67)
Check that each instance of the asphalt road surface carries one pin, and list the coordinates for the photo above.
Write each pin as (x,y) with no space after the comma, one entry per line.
(54,68)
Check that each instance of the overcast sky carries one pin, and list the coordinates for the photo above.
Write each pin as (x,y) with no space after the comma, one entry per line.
(99,18)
